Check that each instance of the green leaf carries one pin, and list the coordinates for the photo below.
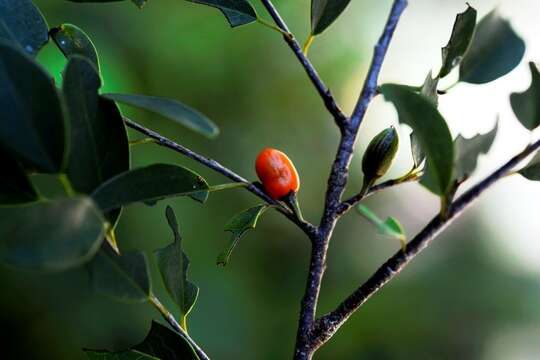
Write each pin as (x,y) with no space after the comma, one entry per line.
(324,13)
(124,277)
(150,183)
(237,12)
(166,344)
(526,105)
(122,355)
(433,135)
(468,150)
(170,109)
(173,265)
(99,142)
(532,170)
(52,235)
(22,22)
(15,187)
(239,225)
(72,40)
(495,51)
(417,152)
(389,227)
(429,89)
(459,42)
(31,113)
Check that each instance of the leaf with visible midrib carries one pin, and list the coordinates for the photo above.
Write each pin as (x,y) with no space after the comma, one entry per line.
(121,355)
(468,150)
(431,130)
(72,40)
(150,183)
(324,13)
(166,344)
(170,109)
(238,226)
(237,12)
(462,34)
(15,187)
(52,235)
(124,277)
(526,105)
(494,51)
(173,265)
(21,22)
(32,117)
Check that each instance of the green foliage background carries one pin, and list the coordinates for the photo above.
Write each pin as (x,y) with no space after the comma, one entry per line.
(448,304)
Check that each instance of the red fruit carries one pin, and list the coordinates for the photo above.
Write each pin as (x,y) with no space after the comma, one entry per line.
(277,173)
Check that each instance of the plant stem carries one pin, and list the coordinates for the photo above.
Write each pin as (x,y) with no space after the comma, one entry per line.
(66,184)
(142,141)
(176,326)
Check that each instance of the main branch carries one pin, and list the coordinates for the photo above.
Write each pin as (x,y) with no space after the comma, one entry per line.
(327,326)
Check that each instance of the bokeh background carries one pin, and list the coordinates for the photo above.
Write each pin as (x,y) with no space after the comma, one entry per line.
(474,294)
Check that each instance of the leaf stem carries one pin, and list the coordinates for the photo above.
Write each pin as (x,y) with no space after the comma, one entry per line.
(274,27)
(66,183)
(307,44)
(228,186)
(141,141)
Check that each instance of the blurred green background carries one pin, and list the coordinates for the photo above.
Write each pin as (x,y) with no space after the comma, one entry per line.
(474,294)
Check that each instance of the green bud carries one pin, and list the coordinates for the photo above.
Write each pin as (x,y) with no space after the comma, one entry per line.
(379,154)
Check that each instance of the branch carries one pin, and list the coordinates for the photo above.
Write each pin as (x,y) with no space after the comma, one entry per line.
(176,326)
(336,185)
(327,326)
(161,140)
(323,91)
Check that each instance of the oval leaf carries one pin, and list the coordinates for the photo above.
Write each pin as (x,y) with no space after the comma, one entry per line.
(495,51)
(154,182)
(238,226)
(171,109)
(459,42)
(32,120)
(431,130)
(122,277)
(165,343)
(173,265)
(15,188)
(22,23)
(526,105)
(532,170)
(237,12)
(54,235)
(72,40)
(324,13)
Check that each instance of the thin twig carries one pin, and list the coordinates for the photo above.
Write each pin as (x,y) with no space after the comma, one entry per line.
(176,326)
(161,140)
(327,325)
(324,92)
(336,185)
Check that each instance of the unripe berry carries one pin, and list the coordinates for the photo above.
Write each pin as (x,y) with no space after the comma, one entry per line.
(277,173)
(379,154)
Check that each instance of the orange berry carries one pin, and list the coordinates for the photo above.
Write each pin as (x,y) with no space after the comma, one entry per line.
(277,173)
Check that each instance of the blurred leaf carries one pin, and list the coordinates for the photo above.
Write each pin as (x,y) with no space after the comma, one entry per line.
(173,265)
(430,127)
(122,355)
(237,12)
(124,277)
(140,3)
(526,105)
(324,13)
(468,150)
(22,22)
(166,344)
(532,170)
(171,109)
(154,182)
(418,154)
(238,226)
(32,117)
(72,40)
(495,51)
(389,227)
(15,187)
(429,89)
(459,42)
(52,235)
